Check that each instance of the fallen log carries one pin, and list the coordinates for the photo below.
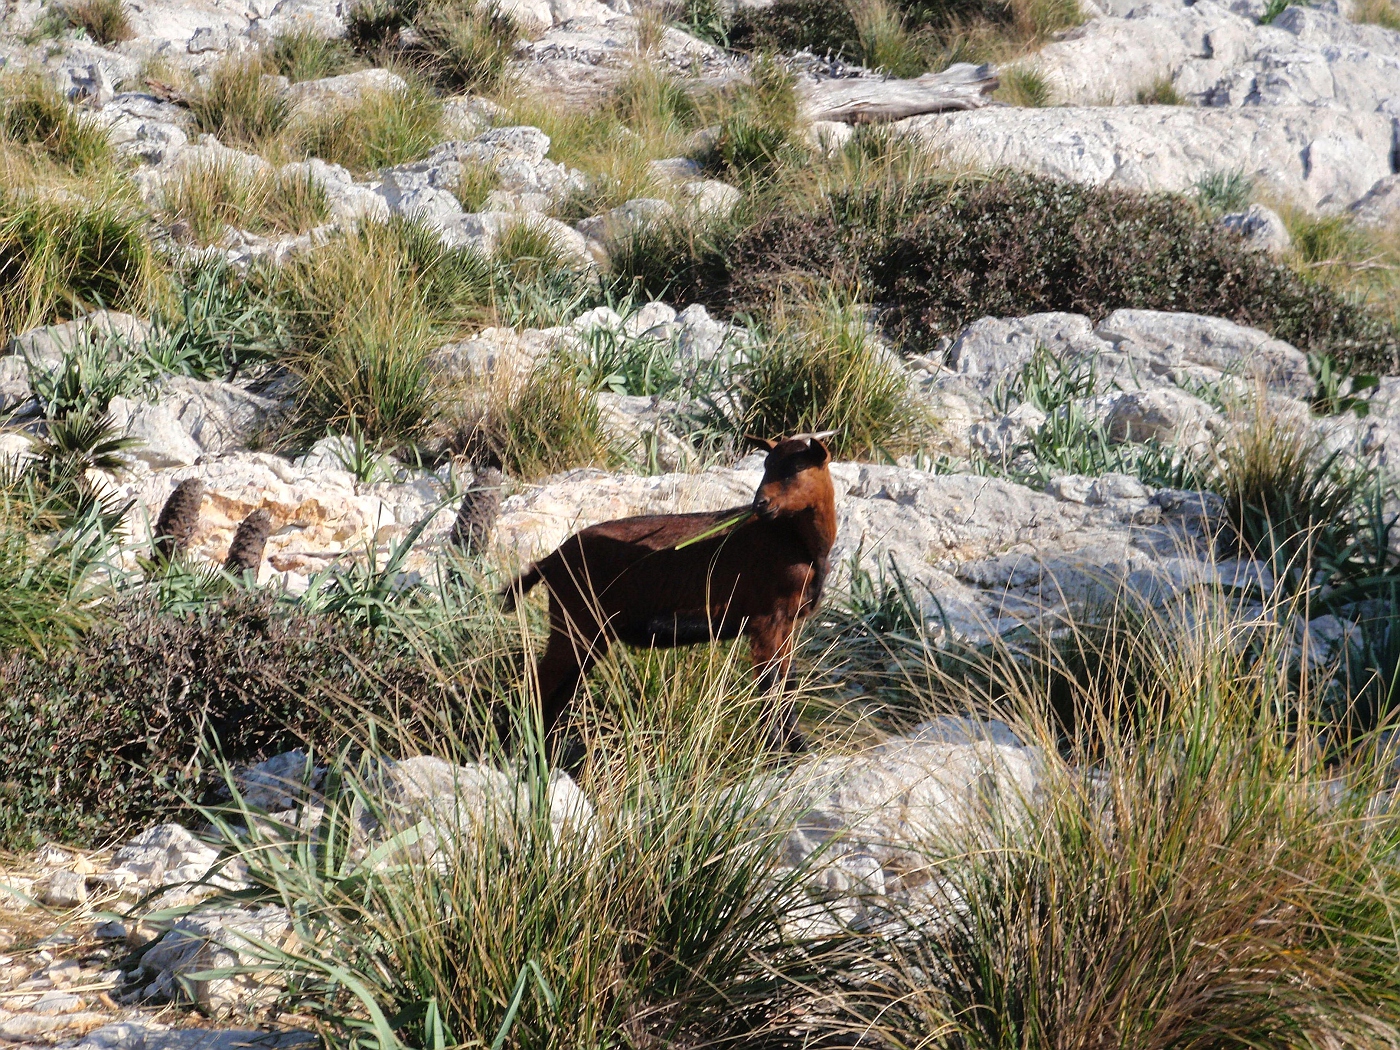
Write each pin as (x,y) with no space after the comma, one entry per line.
(866,100)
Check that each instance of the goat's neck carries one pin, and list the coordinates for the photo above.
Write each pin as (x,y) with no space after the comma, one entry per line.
(816,527)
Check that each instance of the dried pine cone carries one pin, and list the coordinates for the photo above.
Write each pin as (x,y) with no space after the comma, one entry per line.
(246,551)
(178,519)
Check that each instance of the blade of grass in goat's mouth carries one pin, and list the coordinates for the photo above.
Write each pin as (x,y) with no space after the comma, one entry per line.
(715,530)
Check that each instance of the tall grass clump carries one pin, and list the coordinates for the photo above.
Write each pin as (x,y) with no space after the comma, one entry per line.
(304,54)
(381,129)
(61,257)
(758,127)
(545,422)
(1023,87)
(364,313)
(105,21)
(646,915)
(1289,502)
(465,46)
(821,366)
(209,196)
(1377,12)
(35,117)
(1187,880)
(238,103)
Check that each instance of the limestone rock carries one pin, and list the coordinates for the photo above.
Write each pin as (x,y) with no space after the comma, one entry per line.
(1261,229)
(1381,205)
(314,97)
(1167,415)
(1309,154)
(211,939)
(50,343)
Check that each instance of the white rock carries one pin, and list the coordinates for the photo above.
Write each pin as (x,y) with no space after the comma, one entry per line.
(1166,415)
(1315,156)
(314,97)
(1381,205)
(1261,229)
(50,343)
(711,199)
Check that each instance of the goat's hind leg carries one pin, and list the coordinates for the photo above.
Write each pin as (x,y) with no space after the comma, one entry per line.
(770,645)
(566,660)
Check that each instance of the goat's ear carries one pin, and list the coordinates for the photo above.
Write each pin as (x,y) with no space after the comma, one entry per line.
(762,443)
(817,449)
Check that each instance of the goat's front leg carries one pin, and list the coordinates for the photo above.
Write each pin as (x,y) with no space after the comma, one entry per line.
(770,644)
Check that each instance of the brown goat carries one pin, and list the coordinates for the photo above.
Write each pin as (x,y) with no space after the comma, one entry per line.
(649,581)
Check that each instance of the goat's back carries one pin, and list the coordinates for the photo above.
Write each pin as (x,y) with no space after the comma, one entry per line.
(629,575)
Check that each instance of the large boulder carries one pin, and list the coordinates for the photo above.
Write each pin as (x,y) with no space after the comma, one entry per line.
(1319,157)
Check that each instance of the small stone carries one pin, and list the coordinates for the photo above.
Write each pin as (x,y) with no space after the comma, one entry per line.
(64,973)
(57,1003)
(1261,229)
(111,930)
(64,889)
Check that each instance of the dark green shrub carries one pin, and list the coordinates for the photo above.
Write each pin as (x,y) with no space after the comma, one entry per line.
(820,26)
(465,47)
(101,739)
(1022,244)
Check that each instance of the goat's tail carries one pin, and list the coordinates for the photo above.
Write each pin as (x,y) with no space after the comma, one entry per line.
(518,587)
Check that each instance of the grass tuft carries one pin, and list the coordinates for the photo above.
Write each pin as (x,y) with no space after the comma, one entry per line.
(1023,87)
(1161,92)
(33,115)
(465,46)
(821,366)
(208,197)
(304,54)
(1384,13)
(105,21)
(239,103)
(381,129)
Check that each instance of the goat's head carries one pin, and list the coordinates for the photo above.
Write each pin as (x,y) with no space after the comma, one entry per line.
(795,476)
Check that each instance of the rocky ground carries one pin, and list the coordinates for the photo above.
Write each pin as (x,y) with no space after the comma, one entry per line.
(991,536)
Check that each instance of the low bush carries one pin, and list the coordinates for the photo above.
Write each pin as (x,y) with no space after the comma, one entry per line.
(821,26)
(1011,245)
(381,129)
(35,116)
(61,257)
(105,21)
(1161,92)
(102,739)
(214,324)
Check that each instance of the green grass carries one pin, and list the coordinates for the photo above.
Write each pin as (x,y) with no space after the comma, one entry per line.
(210,196)
(363,314)
(1023,87)
(1219,192)
(1161,92)
(239,104)
(819,367)
(303,54)
(36,118)
(61,257)
(105,21)
(381,129)
(464,46)
(1377,12)
(546,422)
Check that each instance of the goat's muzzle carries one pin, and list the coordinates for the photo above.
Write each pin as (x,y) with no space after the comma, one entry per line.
(764,508)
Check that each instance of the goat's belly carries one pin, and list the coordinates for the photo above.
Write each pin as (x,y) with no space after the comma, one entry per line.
(666,630)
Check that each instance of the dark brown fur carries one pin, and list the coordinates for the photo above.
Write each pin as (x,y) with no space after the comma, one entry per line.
(178,519)
(246,551)
(625,581)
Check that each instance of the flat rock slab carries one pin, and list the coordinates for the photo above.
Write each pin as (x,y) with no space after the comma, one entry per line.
(1324,158)
(138,1036)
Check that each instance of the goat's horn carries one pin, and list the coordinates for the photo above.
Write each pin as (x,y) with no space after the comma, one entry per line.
(822,436)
